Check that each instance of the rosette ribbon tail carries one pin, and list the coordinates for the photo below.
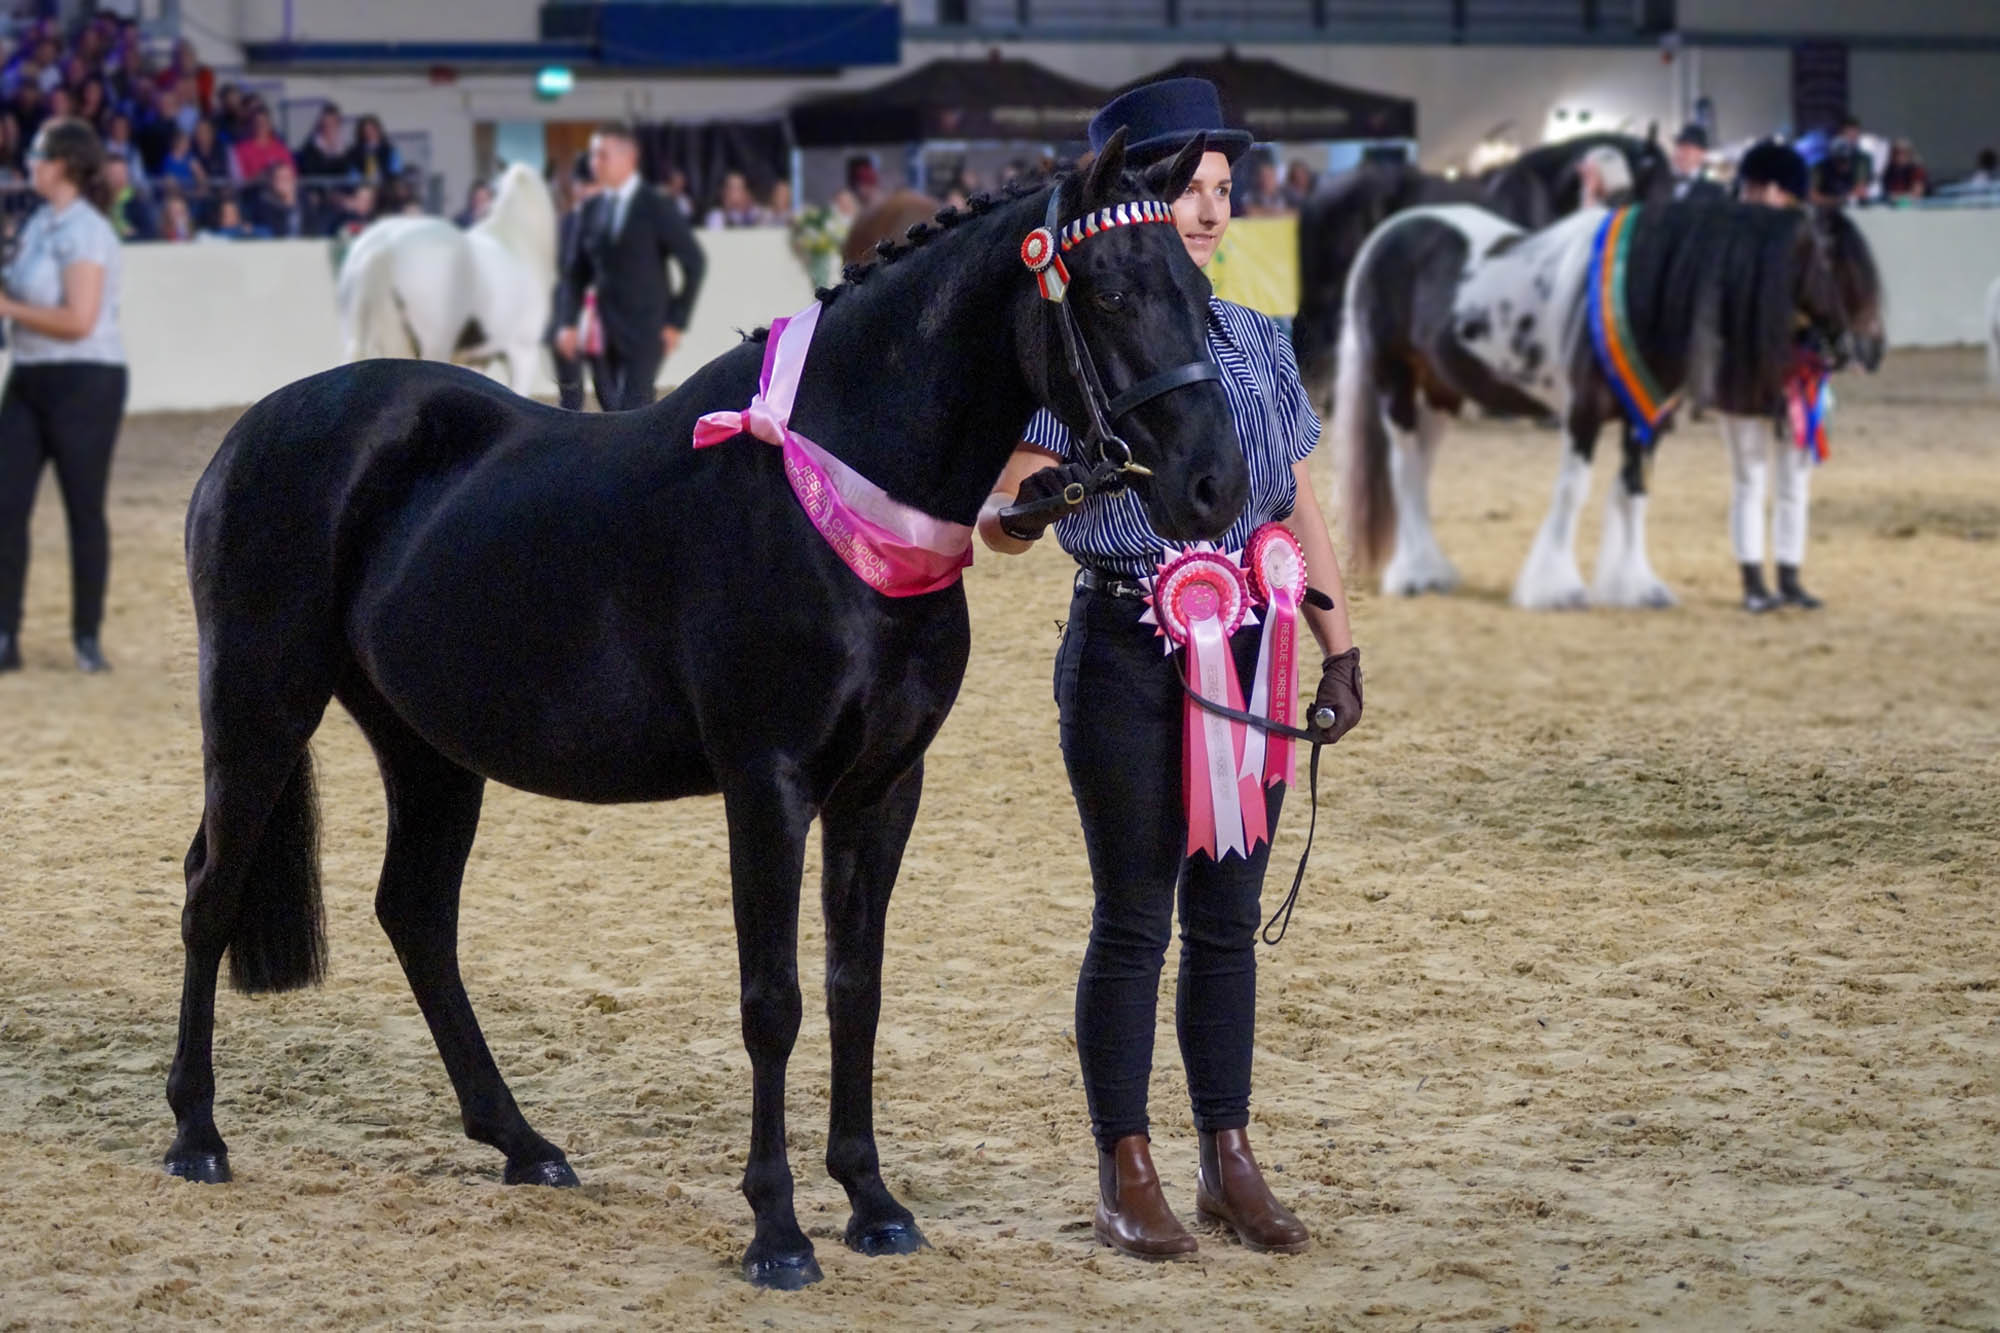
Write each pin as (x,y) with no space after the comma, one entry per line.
(1268,757)
(1215,798)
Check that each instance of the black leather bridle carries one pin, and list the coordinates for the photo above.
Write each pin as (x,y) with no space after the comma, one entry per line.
(1101,439)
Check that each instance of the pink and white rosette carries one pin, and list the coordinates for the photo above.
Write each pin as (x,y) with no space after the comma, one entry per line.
(1199,598)
(1277,571)
(897,550)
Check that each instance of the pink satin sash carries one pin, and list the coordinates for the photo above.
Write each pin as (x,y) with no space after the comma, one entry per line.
(895,549)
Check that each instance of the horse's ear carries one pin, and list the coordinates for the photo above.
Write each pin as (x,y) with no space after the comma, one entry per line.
(1105,171)
(1181,170)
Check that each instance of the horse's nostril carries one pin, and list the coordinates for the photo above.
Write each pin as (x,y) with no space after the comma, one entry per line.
(1207,493)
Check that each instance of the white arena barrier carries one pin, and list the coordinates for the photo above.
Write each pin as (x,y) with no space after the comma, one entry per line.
(221,324)
(1936,265)
(214,325)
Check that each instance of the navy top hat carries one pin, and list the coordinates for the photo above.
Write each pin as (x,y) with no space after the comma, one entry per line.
(1773,163)
(1160,118)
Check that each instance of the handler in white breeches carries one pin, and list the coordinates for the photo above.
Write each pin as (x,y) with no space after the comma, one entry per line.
(1774,175)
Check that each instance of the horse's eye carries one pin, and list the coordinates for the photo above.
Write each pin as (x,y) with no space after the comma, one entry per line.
(1110,300)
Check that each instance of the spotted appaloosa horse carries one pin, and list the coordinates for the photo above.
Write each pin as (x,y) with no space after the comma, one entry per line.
(1454,304)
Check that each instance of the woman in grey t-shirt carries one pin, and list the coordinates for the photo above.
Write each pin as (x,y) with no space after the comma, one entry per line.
(66,392)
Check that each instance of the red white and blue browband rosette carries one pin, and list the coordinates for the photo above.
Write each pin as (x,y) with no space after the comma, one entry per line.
(1277,571)
(1043,249)
(1199,597)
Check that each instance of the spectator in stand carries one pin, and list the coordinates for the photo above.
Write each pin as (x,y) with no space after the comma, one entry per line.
(1905,177)
(118,143)
(10,143)
(230,225)
(232,114)
(865,182)
(29,107)
(282,211)
(323,154)
(735,206)
(373,159)
(128,212)
(478,203)
(1263,197)
(1299,183)
(179,166)
(1985,170)
(253,157)
(90,102)
(675,187)
(357,210)
(158,128)
(780,211)
(1690,165)
(210,154)
(61,105)
(176,218)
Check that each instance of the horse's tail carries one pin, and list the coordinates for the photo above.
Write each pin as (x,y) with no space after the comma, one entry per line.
(1361,437)
(279,943)
(371,311)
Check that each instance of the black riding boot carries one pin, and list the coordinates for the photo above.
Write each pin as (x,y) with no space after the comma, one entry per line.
(10,652)
(1757,598)
(1792,592)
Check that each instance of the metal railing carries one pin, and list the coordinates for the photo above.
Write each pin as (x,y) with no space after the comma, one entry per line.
(1429,21)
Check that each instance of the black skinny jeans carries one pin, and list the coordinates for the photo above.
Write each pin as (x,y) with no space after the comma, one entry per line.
(1121,704)
(67,413)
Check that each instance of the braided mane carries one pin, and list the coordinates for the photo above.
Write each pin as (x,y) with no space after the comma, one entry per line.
(889,251)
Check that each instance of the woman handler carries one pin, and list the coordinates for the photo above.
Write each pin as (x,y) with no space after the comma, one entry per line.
(1121,707)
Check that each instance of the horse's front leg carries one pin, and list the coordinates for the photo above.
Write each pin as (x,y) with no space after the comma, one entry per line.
(768,819)
(1625,574)
(863,844)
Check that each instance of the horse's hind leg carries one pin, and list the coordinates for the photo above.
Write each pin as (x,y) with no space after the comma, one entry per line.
(252,889)
(768,819)
(863,847)
(1419,564)
(433,814)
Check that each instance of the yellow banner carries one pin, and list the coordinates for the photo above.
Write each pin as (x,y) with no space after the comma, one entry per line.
(1257,265)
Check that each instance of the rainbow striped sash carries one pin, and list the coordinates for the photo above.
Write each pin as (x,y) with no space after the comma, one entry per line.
(1611,328)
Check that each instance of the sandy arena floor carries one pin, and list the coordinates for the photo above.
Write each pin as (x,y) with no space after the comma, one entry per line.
(1646,975)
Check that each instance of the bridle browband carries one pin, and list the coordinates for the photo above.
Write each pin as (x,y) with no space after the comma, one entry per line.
(1042,252)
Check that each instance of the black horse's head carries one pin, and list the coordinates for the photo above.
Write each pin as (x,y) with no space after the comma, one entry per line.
(1140,306)
(1838,291)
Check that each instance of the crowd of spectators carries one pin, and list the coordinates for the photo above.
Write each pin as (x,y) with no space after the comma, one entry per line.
(188,156)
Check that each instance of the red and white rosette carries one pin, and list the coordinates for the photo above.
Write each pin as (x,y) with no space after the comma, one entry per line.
(1200,597)
(1277,570)
(1038,252)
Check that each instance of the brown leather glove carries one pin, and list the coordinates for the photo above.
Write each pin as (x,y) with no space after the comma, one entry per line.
(1040,503)
(1340,690)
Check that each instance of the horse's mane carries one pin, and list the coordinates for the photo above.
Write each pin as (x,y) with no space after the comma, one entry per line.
(923,233)
(523,218)
(1721,280)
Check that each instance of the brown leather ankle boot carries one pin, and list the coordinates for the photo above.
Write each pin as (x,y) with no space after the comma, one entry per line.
(1232,1190)
(1132,1214)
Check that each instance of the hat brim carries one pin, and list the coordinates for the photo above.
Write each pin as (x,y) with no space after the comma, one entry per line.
(1232,144)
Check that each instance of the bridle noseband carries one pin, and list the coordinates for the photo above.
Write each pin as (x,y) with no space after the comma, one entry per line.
(1042,252)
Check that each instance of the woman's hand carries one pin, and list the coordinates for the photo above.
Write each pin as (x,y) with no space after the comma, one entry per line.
(1339,690)
(1027,463)
(1049,493)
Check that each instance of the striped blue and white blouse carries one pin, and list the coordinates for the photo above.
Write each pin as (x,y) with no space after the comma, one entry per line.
(1275,424)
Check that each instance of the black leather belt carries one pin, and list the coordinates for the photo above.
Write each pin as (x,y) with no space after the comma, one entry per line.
(1112,585)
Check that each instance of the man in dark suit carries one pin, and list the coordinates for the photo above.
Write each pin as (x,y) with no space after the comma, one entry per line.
(629,231)
(569,240)
(1690,157)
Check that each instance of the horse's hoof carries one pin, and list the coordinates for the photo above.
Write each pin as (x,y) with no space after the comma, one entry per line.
(203,1168)
(1658,599)
(787,1272)
(885,1238)
(555,1173)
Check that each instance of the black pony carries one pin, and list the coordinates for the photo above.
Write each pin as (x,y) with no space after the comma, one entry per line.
(587,607)
(1532,191)
(1454,304)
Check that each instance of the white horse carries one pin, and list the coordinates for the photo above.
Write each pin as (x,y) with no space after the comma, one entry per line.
(418,286)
